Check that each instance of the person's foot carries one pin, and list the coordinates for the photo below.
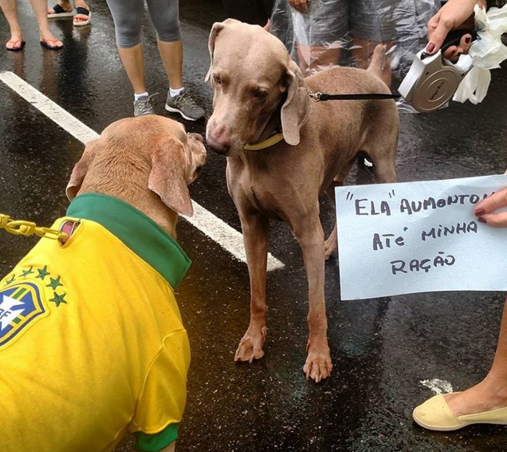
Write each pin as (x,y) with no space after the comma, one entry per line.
(143,106)
(16,43)
(82,17)
(485,403)
(61,9)
(184,105)
(482,397)
(51,43)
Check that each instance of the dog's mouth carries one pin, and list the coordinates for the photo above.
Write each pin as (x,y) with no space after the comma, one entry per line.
(225,148)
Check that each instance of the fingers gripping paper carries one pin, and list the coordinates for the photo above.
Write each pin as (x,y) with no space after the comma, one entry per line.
(415,237)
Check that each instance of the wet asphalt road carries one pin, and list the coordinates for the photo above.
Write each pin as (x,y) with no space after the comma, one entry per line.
(382,349)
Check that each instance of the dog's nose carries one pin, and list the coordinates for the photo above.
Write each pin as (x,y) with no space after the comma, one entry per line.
(197,136)
(220,146)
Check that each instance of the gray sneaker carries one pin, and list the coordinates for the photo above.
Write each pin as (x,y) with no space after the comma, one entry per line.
(185,106)
(143,106)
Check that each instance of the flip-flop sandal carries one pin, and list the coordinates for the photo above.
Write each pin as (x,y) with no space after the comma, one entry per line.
(59,12)
(50,44)
(82,12)
(15,49)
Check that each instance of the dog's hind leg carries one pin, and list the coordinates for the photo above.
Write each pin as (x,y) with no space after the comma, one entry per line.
(384,168)
(255,228)
(331,243)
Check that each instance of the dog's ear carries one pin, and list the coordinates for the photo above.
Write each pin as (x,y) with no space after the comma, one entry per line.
(217,28)
(296,108)
(80,170)
(168,176)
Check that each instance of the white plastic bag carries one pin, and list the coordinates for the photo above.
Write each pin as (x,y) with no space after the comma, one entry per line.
(487,53)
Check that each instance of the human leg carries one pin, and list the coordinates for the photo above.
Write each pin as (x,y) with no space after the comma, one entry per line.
(172,57)
(362,51)
(127,17)
(47,38)
(488,395)
(133,62)
(83,15)
(63,8)
(315,58)
(10,10)
(165,17)
(372,23)
(319,34)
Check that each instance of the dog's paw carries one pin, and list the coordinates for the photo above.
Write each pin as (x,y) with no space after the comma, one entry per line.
(318,366)
(250,347)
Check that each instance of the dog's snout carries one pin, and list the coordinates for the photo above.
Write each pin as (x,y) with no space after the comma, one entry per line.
(219,146)
(219,139)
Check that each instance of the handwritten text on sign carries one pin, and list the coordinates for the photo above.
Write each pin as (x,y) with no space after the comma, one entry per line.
(418,237)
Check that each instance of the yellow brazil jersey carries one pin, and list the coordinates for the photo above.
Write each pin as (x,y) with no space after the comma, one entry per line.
(91,340)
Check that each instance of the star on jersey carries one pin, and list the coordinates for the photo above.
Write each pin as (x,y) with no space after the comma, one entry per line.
(9,310)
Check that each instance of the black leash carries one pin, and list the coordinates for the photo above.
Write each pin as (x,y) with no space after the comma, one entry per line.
(322,97)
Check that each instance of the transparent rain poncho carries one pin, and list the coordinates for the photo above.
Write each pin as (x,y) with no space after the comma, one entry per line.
(345,32)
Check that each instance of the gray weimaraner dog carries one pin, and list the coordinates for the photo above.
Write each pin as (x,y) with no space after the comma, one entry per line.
(259,91)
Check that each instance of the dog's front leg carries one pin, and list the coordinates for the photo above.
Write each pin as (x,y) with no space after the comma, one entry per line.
(310,235)
(255,228)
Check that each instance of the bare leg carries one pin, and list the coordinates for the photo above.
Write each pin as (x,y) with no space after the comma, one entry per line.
(362,51)
(255,235)
(40,10)
(133,61)
(82,4)
(65,4)
(315,58)
(10,10)
(309,233)
(490,393)
(172,57)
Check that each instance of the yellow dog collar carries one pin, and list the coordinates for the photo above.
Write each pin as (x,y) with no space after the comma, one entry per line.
(271,141)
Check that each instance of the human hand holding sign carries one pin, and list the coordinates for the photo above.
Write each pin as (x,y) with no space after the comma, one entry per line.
(485,210)
(454,15)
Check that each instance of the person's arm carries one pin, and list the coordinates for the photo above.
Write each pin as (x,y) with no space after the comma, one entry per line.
(455,14)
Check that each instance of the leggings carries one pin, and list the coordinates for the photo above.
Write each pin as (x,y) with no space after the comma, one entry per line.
(128,20)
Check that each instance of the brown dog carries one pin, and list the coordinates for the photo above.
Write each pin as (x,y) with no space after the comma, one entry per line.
(153,160)
(258,91)
(90,330)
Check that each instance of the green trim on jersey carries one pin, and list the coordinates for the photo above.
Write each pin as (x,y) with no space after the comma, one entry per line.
(136,230)
(157,441)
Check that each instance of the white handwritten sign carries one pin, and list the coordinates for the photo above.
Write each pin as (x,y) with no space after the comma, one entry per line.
(418,237)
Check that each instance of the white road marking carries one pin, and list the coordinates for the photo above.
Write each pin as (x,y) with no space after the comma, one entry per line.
(438,386)
(216,229)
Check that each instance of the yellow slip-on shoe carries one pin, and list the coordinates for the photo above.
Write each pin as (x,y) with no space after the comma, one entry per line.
(435,414)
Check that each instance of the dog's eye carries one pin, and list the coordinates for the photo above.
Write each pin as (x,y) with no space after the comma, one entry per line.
(260,94)
(217,79)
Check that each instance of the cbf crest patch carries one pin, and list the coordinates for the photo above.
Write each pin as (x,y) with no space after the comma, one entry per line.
(20,307)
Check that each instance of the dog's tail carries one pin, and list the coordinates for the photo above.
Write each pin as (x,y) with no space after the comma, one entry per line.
(378,60)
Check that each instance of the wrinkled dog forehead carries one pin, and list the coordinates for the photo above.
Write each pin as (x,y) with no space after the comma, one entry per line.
(239,44)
